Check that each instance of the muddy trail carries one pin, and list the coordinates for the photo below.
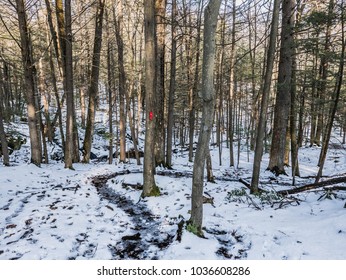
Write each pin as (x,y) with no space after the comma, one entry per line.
(147,239)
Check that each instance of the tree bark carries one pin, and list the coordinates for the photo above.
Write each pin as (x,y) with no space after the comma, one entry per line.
(57,98)
(283,99)
(322,76)
(160,6)
(3,140)
(194,90)
(110,103)
(46,130)
(149,185)
(210,176)
(68,82)
(292,121)
(232,87)
(170,110)
(122,81)
(265,97)
(313,111)
(94,80)
(207,94)
(344,125)
(132,129)
(30,86)
(61,35)
(110,87)
(335,98)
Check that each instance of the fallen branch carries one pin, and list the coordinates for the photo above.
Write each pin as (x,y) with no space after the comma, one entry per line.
(75,188)
(247,184)
(313,186)
(175,174)
(252,202)
(287,201)
(137,186)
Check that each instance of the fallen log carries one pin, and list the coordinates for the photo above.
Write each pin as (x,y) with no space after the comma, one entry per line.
(323,176)
(313,186)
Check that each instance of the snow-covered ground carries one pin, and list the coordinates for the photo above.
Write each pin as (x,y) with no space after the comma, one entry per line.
(54,213)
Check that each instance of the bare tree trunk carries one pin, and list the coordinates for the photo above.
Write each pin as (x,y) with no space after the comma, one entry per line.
(287,146)
(122,80)
(344,125)
(30,86)
(56,94)
(3,140)
(110,104)
(93,86)
(210,176)
(46,130)
(220,89)
(194,90)
(255,96)
(5,91)
(140,95)
(61,35)
(160,7)
(301,114)
(149,185)
(335,98)
(207,93)
(127,90)
(321,88)
(313,107)
(323,75)
(170,118)
(232,87)
(82,105)
(68,78)
(283,99)
(65,35)
(58,55)
(49,131)
(292,121)
(132,127)
(265,97)
(238,121)
(110,82)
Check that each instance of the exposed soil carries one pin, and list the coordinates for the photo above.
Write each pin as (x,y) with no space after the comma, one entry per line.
(147,238)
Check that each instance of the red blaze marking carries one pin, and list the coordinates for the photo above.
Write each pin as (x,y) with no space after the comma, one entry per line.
(151,116)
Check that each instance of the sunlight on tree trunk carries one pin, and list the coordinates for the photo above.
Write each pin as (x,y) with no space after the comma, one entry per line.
(30,85)
(207,94)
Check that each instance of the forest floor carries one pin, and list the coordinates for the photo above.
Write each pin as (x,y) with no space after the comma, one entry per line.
(96,212)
